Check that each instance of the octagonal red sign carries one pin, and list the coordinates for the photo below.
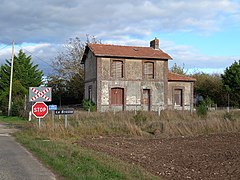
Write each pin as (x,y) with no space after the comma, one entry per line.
(39,109)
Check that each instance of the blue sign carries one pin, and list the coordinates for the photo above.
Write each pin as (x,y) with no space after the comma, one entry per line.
(52,107)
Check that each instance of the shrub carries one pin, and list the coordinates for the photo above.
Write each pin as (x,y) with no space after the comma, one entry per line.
(17,107)
(202,110)
(89,105)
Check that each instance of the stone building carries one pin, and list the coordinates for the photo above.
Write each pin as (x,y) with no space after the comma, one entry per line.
(133,78)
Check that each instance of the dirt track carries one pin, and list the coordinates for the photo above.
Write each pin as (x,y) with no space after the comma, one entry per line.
(202,157)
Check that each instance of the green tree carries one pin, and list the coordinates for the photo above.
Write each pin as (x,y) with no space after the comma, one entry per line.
(178,69)
(231,81)
(210,88)
(25,74)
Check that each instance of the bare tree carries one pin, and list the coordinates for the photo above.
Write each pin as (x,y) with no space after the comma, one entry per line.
(68,62)
(68,70)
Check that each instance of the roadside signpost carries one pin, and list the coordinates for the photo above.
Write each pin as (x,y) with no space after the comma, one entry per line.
(40,95)
(64,112)
(39,110)
(52,108)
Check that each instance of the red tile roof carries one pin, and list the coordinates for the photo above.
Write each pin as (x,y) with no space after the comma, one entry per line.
(127,51)
(178,77)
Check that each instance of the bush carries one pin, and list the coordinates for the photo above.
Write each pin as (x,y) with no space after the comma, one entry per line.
(17,107)
(89,105)
(202,110)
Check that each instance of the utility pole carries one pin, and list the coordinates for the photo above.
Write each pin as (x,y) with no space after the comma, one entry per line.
(10,89)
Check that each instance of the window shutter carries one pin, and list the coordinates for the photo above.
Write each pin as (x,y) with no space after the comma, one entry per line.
(117,69)
(148,70)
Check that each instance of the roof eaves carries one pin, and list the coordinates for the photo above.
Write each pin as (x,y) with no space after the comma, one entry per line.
(131,57)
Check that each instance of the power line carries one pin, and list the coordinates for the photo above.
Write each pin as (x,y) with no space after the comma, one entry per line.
(44,66)
(37,57)
(3,47)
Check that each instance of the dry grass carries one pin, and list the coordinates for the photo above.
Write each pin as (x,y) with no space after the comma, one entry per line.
(144,124)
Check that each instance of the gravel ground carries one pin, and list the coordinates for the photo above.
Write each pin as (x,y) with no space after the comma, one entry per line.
(204,157)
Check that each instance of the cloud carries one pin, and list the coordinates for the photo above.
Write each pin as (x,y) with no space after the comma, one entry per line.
(40,27)
(193,60)
(56,20)
(43,54)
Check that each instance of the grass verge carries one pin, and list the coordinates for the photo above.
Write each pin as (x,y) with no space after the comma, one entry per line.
(73,162)
(12,120)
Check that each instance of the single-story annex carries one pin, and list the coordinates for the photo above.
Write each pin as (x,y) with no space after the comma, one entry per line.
(134,78)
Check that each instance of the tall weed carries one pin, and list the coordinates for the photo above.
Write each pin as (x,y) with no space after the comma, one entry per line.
(144,124)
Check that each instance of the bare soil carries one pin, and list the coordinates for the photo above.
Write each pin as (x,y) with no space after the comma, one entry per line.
(203,157)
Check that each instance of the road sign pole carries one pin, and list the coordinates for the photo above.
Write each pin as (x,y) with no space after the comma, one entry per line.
(39,123)
(53,119)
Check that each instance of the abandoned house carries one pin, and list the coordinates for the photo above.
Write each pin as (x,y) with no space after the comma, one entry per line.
(134,78)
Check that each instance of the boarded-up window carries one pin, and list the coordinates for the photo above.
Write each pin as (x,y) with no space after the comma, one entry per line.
(90,93)
(117,96)
(178,97)
(149,70)
(117,69)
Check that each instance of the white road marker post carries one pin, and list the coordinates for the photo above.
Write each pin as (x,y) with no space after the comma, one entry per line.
(65,120)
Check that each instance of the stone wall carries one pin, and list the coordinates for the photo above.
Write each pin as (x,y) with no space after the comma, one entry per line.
(132,83)
(187,88)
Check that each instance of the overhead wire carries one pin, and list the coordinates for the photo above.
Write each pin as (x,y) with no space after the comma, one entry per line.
(48,66)
(37,57)
(3,47)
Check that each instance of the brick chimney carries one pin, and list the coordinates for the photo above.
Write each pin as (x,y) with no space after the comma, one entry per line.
(154,43)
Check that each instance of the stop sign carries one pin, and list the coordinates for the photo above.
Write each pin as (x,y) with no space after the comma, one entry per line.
(39,109)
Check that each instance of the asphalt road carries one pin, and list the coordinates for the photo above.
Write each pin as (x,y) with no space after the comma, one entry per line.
(16,163)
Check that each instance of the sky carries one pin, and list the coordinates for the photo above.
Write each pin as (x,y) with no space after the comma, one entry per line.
(201,36)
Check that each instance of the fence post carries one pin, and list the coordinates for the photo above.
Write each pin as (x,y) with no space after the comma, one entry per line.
(159,110)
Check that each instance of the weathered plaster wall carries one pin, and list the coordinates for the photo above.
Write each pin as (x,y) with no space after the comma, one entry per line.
(94,90)
(105,63)
(187,94)
(90,67)
(133,69)
(133,84)
(90,76)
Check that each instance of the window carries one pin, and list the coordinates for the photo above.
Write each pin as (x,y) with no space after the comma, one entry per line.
(117,69)
(178,97)
(90,93)
(148,70)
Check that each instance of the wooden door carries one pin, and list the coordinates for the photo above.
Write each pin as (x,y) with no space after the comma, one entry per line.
(117,98)
(146,100)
